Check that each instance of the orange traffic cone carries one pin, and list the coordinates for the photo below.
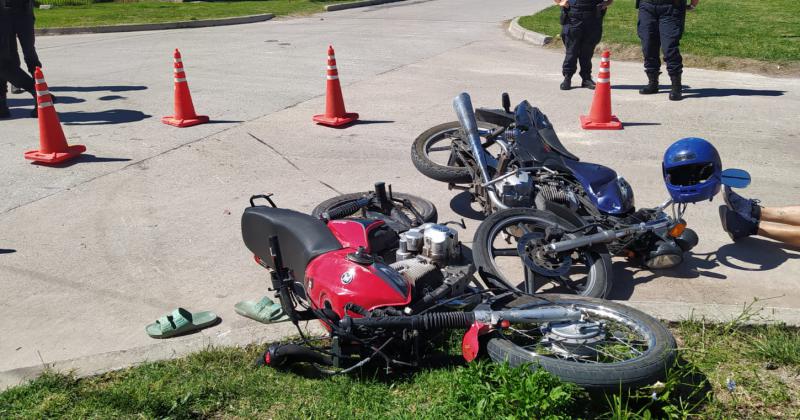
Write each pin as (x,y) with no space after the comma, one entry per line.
(52,143)
(600,117)
(185,115)
(335,114)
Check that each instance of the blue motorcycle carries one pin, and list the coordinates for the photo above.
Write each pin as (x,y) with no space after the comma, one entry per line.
(553,222)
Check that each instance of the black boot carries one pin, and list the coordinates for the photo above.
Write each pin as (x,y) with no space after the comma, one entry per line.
(16,90)
(35,112)
(652,84)
(676,94)
(588,83)
(567,83)
(4,111)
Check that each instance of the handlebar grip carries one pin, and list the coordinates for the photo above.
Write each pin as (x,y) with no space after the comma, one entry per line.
(346,209)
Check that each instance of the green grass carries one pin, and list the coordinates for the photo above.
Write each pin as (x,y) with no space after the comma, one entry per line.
(762,361)
(156,11)
(764,30)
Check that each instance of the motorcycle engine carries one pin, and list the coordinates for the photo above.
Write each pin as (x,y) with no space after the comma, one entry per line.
(516,190)
(429,256)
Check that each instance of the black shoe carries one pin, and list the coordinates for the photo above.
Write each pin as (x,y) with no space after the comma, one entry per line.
(15,90)
(4,111)
(676,93)
(736,225)
(745,207)
(588,83)
(567,83)
(652,84)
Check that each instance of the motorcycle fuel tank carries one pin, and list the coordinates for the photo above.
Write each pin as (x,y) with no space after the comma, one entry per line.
(336,278)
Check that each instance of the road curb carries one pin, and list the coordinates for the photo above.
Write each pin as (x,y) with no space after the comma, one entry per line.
(531,37)
(355,4)
(156,26)
(96,364)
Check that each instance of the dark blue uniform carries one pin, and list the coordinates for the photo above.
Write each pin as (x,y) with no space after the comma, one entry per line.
(660,27)
(9,60)
(581,30)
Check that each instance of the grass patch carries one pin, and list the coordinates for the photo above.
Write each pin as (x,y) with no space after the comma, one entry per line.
(760,31)
(151,11)
(724,371)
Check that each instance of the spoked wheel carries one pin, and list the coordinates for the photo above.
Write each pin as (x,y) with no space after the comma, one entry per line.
(432,153)
(614,347)
(499,260)
(401,217)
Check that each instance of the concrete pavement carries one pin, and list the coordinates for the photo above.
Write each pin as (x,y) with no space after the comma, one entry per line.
(104,246)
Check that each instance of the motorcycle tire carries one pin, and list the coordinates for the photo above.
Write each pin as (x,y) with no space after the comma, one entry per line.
(425,208)
(451,174)
(598,281)
(644,369)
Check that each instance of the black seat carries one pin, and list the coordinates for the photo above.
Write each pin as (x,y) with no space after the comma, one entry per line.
(301,237)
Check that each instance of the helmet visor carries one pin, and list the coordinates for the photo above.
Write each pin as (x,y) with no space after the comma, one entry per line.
(692,174)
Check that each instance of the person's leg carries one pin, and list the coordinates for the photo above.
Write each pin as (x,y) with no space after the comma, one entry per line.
(647,29)
(671,23)
(4,111)
(571,34)
(592,35)
(24,29)
(789,235)
(785,215)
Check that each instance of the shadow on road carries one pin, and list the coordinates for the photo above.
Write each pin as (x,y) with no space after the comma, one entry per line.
(84,158)
(637,124)
(111,116)
(749,254)
(7,251)
(95,88)
(689,92)
(462,206)
(28,101)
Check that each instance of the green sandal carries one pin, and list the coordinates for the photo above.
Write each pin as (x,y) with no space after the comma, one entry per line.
(265,311)
(180,322)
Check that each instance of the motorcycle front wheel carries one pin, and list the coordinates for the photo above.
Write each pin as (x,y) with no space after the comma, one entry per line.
(399,222)
(614,348)
(494,249)
(432,153)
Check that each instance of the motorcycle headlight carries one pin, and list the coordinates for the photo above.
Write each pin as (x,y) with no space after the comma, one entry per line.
(626,193)
(666,255)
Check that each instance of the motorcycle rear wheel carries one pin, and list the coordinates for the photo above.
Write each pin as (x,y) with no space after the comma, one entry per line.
(453,172)
(425,208)
(595,261)
(635,333)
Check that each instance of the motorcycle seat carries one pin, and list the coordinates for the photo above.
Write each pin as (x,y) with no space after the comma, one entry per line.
(301,237)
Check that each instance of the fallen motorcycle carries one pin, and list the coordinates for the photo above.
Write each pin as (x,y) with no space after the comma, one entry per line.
(386,296)
(553,220)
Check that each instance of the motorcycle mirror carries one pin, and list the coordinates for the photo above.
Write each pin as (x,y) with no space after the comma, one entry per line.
(506,102)
(735,178)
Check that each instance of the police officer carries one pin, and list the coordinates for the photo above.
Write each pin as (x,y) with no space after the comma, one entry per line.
(661,25)
(9,67)
(581,30)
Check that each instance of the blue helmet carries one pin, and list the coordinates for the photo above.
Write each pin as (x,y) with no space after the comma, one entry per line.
(692,170)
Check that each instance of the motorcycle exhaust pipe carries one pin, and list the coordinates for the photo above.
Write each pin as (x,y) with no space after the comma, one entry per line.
(462,104)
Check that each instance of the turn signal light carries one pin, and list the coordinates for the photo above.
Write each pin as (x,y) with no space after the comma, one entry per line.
(677,230)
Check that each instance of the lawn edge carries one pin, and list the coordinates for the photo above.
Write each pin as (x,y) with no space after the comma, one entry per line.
(517,31)
(95,364)
(355,4)
(136,27)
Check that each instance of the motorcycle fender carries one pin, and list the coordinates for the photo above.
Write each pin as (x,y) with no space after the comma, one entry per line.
(470,346)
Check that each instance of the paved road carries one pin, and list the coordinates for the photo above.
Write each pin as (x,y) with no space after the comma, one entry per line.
(150,220)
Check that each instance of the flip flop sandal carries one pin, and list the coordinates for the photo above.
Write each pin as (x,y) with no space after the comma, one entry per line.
(265,311)
(180,322)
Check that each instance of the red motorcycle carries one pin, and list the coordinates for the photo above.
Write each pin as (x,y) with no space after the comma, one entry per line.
(388,283)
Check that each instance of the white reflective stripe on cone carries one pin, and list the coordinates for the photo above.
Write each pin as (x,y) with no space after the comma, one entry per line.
(604,60)
(333,77)
(45,104)
(603,80)
(179,60)
(331,67)
(179,69)
(40,81)
(42,92)
(182,79)
(331,57)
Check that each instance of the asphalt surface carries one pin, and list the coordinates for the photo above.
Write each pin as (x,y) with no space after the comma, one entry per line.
(148,220)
